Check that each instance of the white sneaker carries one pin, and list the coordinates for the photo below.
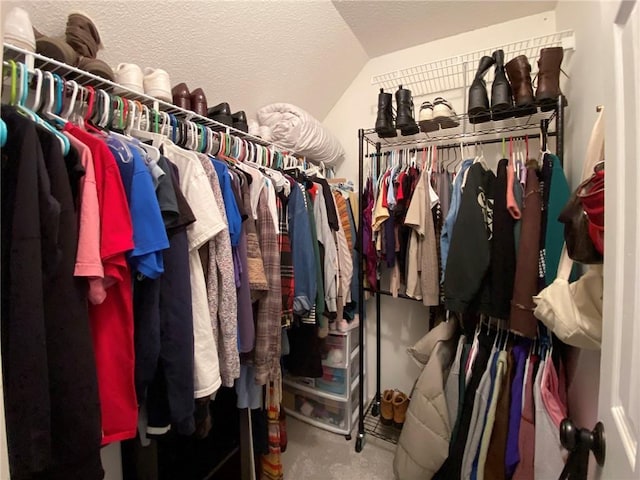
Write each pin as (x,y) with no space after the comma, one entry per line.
(444,114)
(18,30)
(425,118)
(157,84)
(129,75)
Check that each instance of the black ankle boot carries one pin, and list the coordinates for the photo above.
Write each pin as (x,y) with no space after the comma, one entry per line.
(501,95)
(384,120)
(478,97)
(405,120)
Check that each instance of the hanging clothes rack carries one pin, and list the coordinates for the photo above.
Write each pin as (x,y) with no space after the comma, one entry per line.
(87,81)
(368,421)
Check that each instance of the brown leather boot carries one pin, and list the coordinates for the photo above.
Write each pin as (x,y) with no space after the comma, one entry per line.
(400,406)
(519,71)
(386,407)
(548,89)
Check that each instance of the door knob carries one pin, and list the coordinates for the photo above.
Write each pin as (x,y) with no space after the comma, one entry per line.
(573,438)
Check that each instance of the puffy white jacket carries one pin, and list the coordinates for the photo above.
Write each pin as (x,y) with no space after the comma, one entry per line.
(424,442)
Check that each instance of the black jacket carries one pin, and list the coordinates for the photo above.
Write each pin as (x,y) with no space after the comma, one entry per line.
(469,257)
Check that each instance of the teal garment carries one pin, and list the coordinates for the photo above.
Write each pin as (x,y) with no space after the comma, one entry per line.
(320,320)
(554,236)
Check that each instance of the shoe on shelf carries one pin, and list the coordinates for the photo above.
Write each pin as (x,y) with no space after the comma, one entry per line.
(425,118)
(221,113)
(519,72)
(181,96)
(386,406)
(444,114)
(130,76)
(18,30)
(83,36)
(400,406)
(199,102)
(239,121)
(342,325)
(55,48)
(478,97)
(384,118)
(157,84)
(548,89)
(405,120)
(501,96)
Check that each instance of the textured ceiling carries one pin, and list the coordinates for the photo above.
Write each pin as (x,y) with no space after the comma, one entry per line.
(251,53)
(386,26)
(246,53)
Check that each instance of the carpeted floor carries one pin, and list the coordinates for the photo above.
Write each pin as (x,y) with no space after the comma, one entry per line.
(315,454)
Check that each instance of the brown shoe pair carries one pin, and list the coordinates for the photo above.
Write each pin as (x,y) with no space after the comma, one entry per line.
(195,101)
(78,48)
(393,408)
(548,89)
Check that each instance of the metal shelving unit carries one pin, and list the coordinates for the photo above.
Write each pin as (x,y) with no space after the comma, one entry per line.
(428,79)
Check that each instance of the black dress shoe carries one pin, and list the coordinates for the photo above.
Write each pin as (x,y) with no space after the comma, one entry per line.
(240,121)
(221,113)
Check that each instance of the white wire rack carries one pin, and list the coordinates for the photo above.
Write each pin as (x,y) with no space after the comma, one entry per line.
(458,72)
(83,78)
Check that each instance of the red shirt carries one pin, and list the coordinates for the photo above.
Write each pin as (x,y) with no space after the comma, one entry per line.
(112,320)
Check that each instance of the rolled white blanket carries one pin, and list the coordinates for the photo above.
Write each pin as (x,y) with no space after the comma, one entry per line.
(293,127)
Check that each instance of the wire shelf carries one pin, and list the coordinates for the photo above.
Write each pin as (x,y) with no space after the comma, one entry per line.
(449,74)
(465,130)
(85,79)
(374,427)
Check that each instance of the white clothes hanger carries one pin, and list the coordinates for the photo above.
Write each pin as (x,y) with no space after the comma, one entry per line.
(37,73)
(74,93)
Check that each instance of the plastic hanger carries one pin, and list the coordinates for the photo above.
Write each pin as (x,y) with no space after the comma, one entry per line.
(65,114)
(18,102)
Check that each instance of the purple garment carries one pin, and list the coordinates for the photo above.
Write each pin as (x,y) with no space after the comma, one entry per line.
(246,326)
(237,266)
(390,241)
(512,455)
(367,236)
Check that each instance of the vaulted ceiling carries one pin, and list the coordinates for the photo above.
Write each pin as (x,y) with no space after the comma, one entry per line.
(251,53)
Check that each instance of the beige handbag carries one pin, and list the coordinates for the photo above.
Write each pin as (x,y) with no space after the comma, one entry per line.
(573,311)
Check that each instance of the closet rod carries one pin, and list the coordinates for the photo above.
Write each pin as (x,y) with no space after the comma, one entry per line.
(466,144)
(84,79)
(387,293)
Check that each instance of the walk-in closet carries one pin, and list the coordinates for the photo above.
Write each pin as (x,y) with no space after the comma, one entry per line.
(319,239)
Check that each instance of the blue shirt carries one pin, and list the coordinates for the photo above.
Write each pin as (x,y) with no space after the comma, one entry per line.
(302,253)
(449,222)
(230,206)
(149,234)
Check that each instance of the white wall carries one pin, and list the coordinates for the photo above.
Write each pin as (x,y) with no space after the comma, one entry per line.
(404,321)
(585,90)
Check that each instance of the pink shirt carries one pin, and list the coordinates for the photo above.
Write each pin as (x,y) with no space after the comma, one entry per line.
(553,394)
(88,260)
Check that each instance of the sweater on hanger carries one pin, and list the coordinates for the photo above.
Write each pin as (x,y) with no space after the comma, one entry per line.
(465,285)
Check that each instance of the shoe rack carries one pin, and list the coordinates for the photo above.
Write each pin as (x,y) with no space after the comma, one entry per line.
(457,72)
(155,105)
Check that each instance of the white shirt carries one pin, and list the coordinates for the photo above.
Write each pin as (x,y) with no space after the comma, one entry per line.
(195,186)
